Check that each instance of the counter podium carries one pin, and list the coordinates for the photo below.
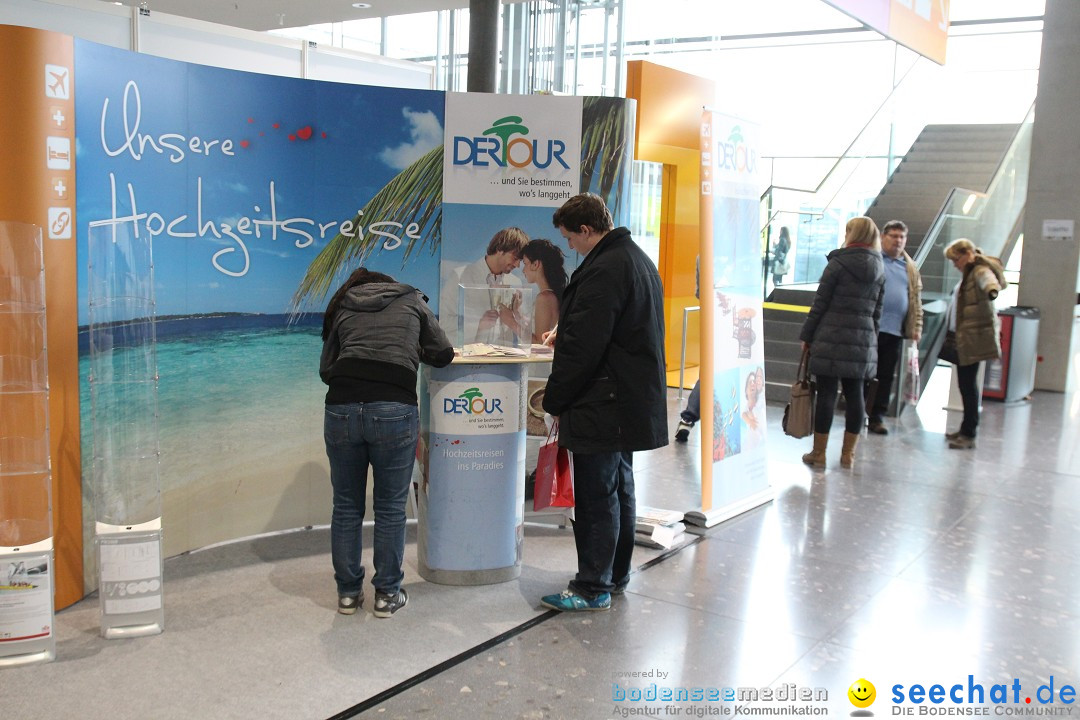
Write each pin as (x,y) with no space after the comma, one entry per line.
(471,492)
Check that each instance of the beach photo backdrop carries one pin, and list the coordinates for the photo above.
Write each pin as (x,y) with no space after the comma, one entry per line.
(240,181)
(259,194)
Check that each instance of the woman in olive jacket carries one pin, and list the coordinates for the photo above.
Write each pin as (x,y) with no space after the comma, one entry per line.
(841,333)
(974,330)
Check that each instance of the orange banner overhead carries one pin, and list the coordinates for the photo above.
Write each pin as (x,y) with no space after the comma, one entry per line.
(922,25)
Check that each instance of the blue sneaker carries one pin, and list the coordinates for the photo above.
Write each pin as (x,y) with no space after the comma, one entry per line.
(570,601)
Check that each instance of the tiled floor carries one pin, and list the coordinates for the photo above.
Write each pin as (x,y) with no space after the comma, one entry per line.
(924,565)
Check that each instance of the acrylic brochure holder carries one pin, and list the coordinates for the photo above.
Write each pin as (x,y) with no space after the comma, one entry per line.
(26,542)
(499,316)
(125,468)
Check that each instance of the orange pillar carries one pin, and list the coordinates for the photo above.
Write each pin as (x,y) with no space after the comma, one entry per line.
(669,108)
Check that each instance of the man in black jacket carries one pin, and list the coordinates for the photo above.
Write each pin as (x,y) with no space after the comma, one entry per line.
(608,390)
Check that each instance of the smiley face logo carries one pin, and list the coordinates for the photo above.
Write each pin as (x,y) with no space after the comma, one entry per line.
(862,693)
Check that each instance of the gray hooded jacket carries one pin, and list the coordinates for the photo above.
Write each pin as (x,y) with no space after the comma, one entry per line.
(842,326)
(380,334)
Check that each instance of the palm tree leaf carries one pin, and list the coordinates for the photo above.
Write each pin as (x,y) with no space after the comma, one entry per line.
(414,195)
(605,156)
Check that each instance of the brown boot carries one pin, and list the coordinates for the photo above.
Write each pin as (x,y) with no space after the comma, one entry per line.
(816,457)
(847,453)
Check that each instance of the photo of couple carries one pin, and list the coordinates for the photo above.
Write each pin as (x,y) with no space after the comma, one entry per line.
(509,296)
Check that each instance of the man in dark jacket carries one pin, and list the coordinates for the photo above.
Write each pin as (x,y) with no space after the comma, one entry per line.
(608,390)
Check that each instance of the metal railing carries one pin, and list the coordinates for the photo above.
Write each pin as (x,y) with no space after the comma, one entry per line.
(682,358)
(992,220)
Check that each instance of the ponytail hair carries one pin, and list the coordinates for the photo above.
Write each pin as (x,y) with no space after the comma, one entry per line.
(551,261)
(360,276)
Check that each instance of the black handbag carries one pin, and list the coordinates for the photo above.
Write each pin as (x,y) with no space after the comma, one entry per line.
(798,419)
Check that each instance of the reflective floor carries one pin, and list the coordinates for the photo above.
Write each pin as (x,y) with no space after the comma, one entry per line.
(922,566)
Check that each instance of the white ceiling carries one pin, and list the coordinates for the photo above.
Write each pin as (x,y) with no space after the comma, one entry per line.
(276,14)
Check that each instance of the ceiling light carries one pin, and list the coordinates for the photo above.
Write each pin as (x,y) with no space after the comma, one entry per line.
(361,6)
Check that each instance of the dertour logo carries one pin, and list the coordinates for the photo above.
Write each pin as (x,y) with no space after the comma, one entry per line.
(735,154)
(505,144)
(472,402)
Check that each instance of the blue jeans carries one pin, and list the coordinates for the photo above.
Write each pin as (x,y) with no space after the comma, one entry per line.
(692,413)
(604,515)
(382,435)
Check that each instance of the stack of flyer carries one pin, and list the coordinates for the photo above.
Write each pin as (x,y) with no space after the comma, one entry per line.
(486,350)
(658,528)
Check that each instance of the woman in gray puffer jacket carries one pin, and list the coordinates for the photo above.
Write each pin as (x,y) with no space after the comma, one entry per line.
(841,333)
(376,332)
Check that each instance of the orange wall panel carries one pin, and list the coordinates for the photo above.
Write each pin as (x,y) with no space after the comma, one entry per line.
(27,192)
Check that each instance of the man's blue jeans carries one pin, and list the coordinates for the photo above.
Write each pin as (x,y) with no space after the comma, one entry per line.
(382,435)
(604,515)
(692,412)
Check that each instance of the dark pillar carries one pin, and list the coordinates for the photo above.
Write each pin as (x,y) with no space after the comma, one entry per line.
(483,45)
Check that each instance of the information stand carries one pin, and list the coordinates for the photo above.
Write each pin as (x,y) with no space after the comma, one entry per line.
(471,496)
(26,543)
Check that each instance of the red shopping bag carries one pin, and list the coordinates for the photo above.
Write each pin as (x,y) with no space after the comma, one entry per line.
(554,474)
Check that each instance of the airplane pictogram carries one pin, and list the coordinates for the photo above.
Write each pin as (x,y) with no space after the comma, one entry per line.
(56,82)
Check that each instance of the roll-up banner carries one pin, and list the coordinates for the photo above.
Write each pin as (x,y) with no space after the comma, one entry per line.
(734,469)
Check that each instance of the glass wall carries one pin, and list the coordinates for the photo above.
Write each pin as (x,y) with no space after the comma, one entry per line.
(821,86)
(646,193)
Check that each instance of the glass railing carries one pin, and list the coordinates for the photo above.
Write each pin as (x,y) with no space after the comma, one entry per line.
(814,197)
(992,220)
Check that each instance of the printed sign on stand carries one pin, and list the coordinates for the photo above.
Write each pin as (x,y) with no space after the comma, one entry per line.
(130,575)
(25,598)
(130,580)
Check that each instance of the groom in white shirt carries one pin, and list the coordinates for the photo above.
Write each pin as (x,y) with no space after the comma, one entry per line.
(495,269)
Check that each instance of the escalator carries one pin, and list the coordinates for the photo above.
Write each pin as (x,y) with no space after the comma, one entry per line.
(992,219)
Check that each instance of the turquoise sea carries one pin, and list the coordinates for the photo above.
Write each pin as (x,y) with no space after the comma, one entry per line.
(240,408)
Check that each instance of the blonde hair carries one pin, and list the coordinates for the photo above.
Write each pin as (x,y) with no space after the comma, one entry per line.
(958,247)
(862,231)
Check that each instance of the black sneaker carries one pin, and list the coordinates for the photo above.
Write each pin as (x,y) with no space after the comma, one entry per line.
(387,605)
(349,604)
(620,588)
(682,434)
